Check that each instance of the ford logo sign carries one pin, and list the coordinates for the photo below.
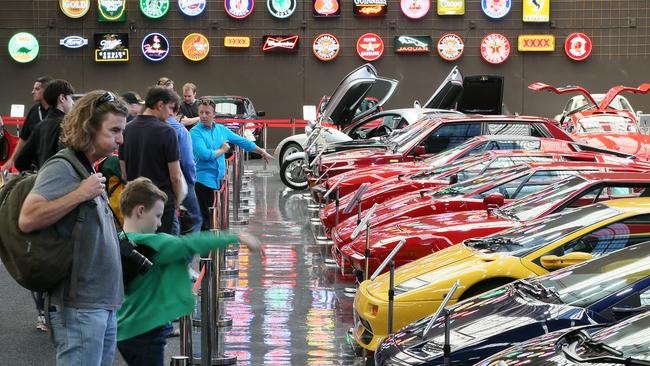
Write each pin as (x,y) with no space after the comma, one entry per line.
(73,42)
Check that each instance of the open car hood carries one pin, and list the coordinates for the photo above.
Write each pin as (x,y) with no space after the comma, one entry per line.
(478,94)
(604,104)
(351,91)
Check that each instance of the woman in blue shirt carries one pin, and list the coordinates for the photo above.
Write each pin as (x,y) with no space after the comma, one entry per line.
(210,143)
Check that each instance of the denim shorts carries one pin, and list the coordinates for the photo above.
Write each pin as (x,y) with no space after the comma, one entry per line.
(87,338)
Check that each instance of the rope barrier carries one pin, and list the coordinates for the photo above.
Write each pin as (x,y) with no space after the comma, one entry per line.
(259,123)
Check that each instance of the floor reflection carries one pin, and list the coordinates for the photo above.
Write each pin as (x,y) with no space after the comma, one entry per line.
(289,308)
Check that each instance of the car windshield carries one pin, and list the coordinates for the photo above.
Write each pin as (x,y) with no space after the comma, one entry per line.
(409,133)
(472,185)
(522,240)
(631,337)
(589,282)
(449,154)
(605,123)
(449,169)
(230,107)
(534,205)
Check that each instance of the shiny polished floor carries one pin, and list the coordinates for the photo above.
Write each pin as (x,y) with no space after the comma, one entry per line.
(290,308)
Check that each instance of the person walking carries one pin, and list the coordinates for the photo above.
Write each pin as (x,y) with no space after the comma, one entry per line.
(44,140)
(35,115)
(83,314)
(210,143)
(151,150)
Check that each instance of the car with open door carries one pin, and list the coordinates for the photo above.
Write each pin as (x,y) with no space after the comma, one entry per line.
(534,249)
(427,234)
(598,291)
(600,124)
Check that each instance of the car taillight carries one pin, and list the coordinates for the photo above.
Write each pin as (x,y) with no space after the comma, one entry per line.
(374,310)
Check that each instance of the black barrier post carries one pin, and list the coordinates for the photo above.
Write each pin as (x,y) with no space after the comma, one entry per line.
(206,321)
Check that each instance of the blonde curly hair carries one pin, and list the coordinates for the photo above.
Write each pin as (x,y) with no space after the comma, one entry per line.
(80,126)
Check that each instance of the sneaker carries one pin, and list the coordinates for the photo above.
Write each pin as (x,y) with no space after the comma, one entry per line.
(41,324)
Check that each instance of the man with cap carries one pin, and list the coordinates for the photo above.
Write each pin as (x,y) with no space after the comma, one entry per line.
(134,103)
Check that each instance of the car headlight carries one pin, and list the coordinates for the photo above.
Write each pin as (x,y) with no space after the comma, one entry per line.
(409,285)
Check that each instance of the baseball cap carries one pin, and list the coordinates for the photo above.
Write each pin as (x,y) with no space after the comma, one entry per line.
(132,98)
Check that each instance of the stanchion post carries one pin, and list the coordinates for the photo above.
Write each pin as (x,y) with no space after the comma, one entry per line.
(367,249)
(206,321)
(337,207)
(185,325)
(265,136)
(391,296)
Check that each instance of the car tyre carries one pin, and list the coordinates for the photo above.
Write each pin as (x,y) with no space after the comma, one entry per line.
(288,149)
(293,175)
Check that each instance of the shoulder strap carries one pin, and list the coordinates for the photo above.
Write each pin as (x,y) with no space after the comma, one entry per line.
(69,156)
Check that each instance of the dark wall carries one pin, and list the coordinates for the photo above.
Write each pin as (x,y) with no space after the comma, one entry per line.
(281,84)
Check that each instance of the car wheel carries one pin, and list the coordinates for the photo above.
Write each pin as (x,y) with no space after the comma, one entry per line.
(288,149)
(293,175)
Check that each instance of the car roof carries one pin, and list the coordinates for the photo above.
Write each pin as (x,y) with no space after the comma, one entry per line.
(623,177)
(486,118)
(216,97)
(541,165)
(629,204)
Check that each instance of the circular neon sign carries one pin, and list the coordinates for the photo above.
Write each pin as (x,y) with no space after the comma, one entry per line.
(23,47)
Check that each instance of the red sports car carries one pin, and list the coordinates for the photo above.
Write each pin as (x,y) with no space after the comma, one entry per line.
(599,125)
(461,170)
(425,235)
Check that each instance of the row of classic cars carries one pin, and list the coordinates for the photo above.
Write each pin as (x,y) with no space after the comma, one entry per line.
(524,226)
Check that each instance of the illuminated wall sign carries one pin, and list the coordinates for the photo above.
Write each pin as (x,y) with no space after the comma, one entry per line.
(111,10)
(239,9)
(281,8)
(280,44)
(536,11)
(195,47)
(111,47)
(327,8)
(73,42)
(154,9)
(23,47)
(236,42)
(496,9)
(370,8)
(450,47)
(536,43)
(74,8)
(191,8)
(495,48)
(155,47)
(412,44)
(451,7)
(370,46)
(577,46)
(326,47)
(415,9)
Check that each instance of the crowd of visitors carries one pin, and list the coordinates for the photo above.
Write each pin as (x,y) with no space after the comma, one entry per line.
(167,153)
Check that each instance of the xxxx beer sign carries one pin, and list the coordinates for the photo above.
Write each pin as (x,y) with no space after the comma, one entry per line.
(536,11)
(74,8)
(236,42)
(370,8)
(111,10)
(536,43)
(412,44)
(451,7)
(415,9)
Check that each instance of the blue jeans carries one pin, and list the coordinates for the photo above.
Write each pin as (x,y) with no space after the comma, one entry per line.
(87,337)
(191,204)
(146,349)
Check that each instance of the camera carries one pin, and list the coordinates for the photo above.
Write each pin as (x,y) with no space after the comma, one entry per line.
(134,262)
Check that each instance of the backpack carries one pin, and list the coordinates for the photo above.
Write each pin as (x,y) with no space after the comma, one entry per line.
(39,260)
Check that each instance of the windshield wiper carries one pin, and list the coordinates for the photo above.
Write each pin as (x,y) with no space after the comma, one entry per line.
(506,214)
(491,242)
(618,357)
(536,288)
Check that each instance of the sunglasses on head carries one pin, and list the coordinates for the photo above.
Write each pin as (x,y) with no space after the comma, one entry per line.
(107,97)
(206,101)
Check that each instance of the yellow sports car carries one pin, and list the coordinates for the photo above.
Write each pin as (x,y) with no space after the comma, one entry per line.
(537,247)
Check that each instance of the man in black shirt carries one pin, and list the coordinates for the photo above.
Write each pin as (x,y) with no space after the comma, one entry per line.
(150,149)
(190,107)
(35,115)
(44,140)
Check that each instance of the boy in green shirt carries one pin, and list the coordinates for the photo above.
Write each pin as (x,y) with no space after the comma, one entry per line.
(164,293)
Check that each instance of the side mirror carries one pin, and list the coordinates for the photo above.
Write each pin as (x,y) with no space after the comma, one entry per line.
(492,200)
(261,113)
(552,262)
(624,312)
(453,179)
(419,150)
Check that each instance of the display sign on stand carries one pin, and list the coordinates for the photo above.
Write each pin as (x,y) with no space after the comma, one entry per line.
(451,7)
(195,47)
(239,9)
(23,47)
(415,9)
(111,10)
(155,47)
(412,44)
(327,8)
(578,46)
(111,47)
(280,44)
(281,9)
(450,47)
(74,8)
(370,8)
(326,47)
(536,11)
(495,48)
(370,47)
(154,9)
